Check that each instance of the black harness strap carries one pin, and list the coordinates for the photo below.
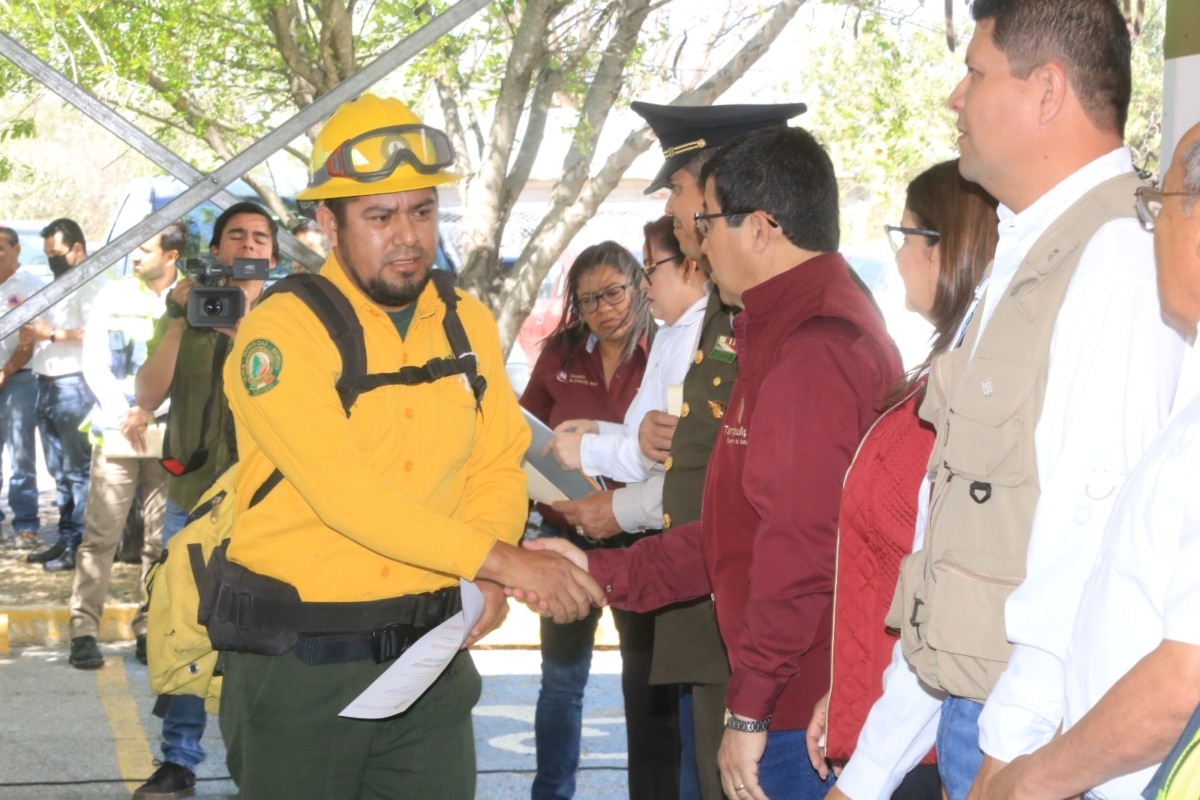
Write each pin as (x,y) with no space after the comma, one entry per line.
(341,323)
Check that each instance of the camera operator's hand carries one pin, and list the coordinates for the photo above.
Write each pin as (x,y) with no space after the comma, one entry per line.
(179,294)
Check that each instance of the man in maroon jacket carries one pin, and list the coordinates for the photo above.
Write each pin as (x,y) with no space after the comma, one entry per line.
(816,362)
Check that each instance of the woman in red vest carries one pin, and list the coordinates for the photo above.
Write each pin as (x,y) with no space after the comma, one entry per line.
(943,243)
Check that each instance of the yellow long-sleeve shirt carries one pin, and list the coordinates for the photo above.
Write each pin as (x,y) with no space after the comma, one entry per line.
(403,497)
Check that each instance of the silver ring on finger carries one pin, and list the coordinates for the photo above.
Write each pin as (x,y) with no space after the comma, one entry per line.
(741,788)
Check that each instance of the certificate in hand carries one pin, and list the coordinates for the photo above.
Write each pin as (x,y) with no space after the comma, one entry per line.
(547,480)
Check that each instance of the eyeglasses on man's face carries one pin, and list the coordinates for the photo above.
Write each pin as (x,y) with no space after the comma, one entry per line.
(898,235)
(704,221)
(1150,203)
(611,295)
(649,266)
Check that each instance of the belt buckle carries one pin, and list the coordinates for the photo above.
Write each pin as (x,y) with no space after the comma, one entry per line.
(389,642)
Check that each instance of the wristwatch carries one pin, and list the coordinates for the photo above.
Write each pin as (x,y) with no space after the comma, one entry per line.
(174,310)
(746,725)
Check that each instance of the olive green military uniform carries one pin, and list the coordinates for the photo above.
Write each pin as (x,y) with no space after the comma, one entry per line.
(687,644)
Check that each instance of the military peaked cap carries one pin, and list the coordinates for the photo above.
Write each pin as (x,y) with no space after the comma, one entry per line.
(683,131)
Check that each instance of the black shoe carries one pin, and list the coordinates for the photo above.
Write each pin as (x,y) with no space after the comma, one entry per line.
(49,554)
(139,650)
(85,653)
(168,782)
(64,563)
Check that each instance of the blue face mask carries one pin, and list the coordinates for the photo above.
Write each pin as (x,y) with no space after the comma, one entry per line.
(58,265)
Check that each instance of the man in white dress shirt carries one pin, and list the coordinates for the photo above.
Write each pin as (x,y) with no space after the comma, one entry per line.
(1041,115)
(1133,667)
(63,398)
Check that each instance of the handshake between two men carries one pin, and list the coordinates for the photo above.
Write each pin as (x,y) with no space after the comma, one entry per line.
(593,514)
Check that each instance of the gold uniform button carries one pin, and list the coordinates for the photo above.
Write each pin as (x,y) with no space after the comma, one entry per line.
(409,413)
(717,381)
(684,410)
(699,357)
(408,466)
(666,521)
(670,462)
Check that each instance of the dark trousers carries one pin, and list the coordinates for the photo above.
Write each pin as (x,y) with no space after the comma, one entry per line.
(284,738)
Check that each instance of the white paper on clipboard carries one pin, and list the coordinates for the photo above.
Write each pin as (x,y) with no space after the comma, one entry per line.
(546,477)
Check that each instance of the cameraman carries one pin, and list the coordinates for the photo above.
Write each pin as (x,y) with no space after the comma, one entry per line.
(185,362)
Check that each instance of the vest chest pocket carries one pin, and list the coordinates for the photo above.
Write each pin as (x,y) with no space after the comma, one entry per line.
(989,434)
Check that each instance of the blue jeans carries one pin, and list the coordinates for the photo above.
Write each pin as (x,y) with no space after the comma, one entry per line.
(651,712)
(183,724)
(18,411)
(62,404)
(959,756)
(785,773)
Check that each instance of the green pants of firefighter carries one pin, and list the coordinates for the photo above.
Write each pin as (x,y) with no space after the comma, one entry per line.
(284,738)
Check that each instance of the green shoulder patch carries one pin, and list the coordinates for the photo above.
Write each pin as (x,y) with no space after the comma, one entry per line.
(261,364)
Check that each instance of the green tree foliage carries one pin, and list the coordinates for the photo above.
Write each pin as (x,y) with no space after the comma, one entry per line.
(209,78)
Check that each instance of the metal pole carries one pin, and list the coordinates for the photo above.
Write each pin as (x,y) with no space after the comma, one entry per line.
(239,164)
(1181,75)
(134,136)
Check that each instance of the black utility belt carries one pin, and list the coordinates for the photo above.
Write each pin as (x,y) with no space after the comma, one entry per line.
(252,613)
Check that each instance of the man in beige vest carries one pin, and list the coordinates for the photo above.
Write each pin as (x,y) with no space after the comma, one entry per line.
(1064,376)
(1133,667)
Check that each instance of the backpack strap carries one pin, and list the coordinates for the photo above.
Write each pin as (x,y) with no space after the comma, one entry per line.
(443,281)
(200,455)
(341,323)
(334,311)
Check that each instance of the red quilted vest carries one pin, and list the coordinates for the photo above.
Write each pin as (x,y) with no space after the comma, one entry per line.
(875,530)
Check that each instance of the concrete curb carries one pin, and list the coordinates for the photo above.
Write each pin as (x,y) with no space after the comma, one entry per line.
(22,626)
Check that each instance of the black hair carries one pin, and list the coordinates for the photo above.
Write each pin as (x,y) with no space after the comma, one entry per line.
(785,173)
(572,330)
(174,237)
(246,207)
(71,233)
(14,239)
(1089,38)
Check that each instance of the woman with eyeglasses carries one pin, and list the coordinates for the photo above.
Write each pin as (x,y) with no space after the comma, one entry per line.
(943,244)
(591,366)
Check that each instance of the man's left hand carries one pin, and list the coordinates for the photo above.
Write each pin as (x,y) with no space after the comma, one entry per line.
(738,761)
(495,610)
(594,514)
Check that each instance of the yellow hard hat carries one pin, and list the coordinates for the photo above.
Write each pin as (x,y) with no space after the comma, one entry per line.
(376,145)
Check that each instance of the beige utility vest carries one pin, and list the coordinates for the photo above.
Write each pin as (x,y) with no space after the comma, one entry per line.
(949,604)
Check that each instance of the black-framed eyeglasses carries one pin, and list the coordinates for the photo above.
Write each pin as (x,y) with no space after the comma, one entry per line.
(898,234)
(648,266)
(704,221)
(1150,203)
(611,295)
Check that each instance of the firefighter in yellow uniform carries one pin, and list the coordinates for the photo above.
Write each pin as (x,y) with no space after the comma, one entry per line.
(380,509)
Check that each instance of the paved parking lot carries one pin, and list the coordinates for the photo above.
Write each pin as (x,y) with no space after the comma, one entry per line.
(67,734)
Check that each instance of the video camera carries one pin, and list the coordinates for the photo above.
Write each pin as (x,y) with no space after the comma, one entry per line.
(212,304)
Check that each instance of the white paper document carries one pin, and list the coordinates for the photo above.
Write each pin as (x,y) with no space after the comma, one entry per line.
(420,665)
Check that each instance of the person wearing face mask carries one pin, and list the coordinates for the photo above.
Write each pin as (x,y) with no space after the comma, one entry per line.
(946,237)
(180,365)
(64,399)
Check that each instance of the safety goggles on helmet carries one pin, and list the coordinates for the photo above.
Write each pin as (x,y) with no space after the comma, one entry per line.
(374,155)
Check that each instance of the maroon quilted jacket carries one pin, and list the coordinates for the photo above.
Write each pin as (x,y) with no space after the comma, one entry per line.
(875,530)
